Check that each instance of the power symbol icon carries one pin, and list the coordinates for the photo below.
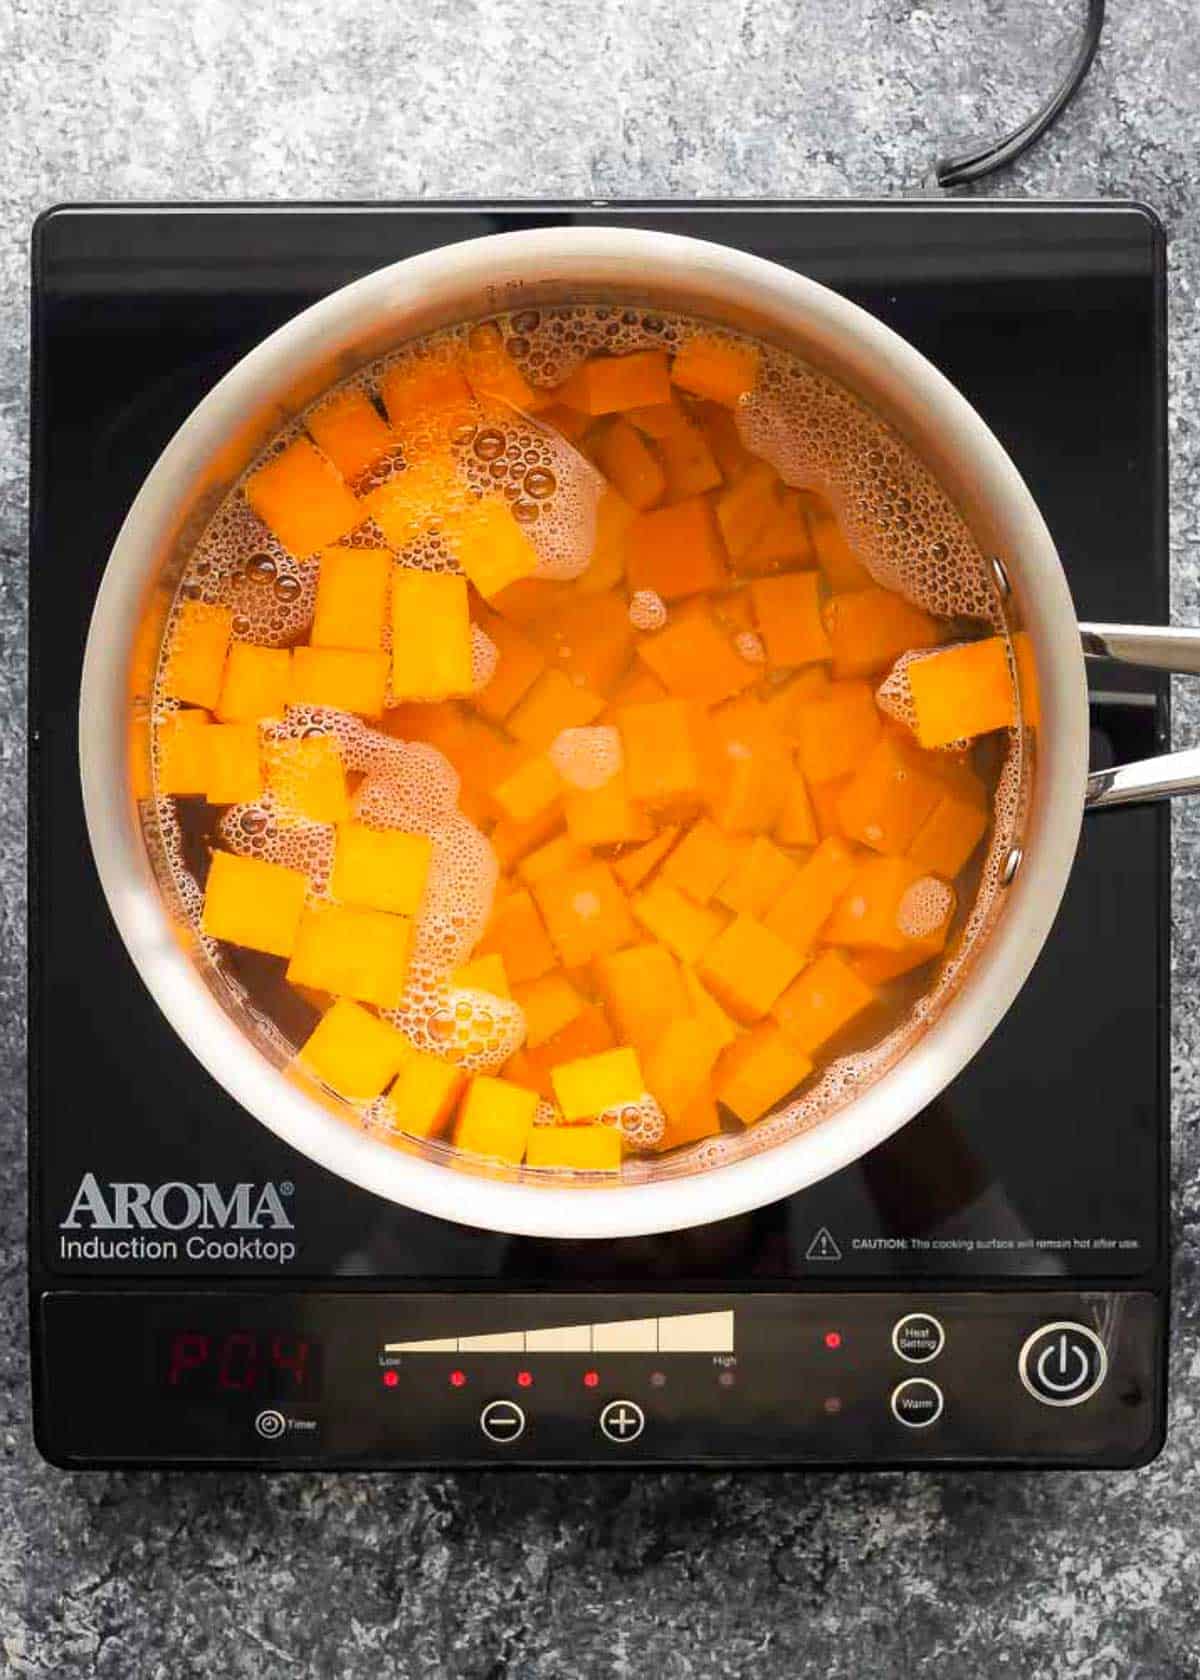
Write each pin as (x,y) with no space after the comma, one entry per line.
(1063,1364)
(1063,1367)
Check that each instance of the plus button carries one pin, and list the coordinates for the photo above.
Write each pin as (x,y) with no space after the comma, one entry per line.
(622,1421)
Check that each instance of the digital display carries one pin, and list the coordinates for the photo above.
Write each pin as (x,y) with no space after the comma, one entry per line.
(262,1364)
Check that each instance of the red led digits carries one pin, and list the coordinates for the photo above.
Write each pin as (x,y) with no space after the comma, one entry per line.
(189,1351)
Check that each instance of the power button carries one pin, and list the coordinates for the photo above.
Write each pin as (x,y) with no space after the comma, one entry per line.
(1063,1364)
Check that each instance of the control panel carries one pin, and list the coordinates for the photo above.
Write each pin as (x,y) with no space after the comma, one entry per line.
(388,1381)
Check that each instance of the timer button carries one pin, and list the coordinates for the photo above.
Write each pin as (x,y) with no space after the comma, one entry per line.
(917,1403)
(918,1338)
(1063,1364)
(502,1421)
(270,1424)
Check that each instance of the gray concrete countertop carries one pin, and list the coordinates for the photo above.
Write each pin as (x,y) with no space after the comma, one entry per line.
(543,1577)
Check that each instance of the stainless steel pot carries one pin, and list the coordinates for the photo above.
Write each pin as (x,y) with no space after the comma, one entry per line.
(531,269)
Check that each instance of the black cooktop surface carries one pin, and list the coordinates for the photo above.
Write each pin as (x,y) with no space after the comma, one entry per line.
(1045,1160)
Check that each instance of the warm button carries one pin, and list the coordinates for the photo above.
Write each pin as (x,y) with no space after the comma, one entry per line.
(1063,1364)
(918,1338)
(917,1403)
(622,1421)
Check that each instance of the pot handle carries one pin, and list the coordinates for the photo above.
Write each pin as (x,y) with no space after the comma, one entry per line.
(1158,648)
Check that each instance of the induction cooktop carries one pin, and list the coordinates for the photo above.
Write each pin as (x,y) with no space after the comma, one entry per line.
(989,1287)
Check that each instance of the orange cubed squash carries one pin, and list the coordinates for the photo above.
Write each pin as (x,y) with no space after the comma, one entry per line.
(195,661)
(664,751)
(492,373)
(431,635)
(346,679)
(380,868)
(490,546)
(826,997)
(759,877)
(420,500)
(605,816)
(628,462)
(659,420)
(782,540)
(353,1051)
(614,516)
(642,992)
(587,1035)
(824,797)
(232,764)
(182,764)
(427,399)
(511,841)
(530,792)
(517,935)
(255,684)
(750,794)
(788,610)
(632,868)
(747,507)
(688,462)
(549,1004)
(785,707)
(589,638)
(685,928)
(483,974)
(701,1120)
(962,692)
(719,1027)
(878,967)
(701,861)
(759,1071)
(747,967)
(870,628)
(530,599)
(552,704)
(352,592)
(552,859)
(675,551)
(597,1084)
(495,1119)
(890,903)
(694,660)
(800,913)
(843,570)
(424,1094)
(571,422)
(301,496)
(250,902)
(307,779)
(796,824)
(361,954)
(350,430)
(519,665)
(837,730)
(586,913)
(720,428)
(579,1148)
(638,688)
(678,1065)
(889,797)
(607,384)
(721,369)
(950,833)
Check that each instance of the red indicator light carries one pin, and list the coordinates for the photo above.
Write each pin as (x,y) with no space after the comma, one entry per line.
(726,1379)
(525,1379)
(658,1379)
(458,1379)
(591,1379)
(833,1405)
(833,1338)
(390,1379)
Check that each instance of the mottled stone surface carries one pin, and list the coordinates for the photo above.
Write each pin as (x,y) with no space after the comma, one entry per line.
(681,1575)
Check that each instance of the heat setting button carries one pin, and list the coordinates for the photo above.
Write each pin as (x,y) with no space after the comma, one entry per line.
(622,1421)
(1063,1364)
(918,1338)
(917,1403)
(502,1421)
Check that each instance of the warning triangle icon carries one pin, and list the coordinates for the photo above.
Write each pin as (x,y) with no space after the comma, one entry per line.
(823,1247)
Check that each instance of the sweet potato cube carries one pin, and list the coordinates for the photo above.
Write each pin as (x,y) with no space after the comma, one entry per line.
(232,767)
(352,591)
(590,639)
(783,540)
(490,546)
(353,953)
(747,967)
(664,751)
(675,551)
(788,610)
(307,778)
(431,635)
(721,369)
(796,824)
(695,660)
(250,902)
(354,1052)
(605,816)
(843,570)
(597,1084)
(520,663)
(517,935)
(554,703)
(635,867)
(688,462)
(800,913)
(493,375)
(422,498)
(580,1148)
(823,1000)
(301,496)
(718,1026)
(195,661)
(687,929)
(759,877)
(427,399)
(642,991)
(614,516)
(701,861)
(746,507)
(889,797)
(549,1003)
(890,903)
(350,430)
(532,790)
(678,1066)
(700,1120)
(255,684)
(553,858)
(380,868)
(870,628)
(483,974)
(586,913)
(759,1071)
(837,731)
(348,680)
(495,1119)
(962,692)
(628,462)
(424,1094)
(950,833)
(182,763)
(607,384)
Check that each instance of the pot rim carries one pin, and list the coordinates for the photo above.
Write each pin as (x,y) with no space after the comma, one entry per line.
(889,371)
